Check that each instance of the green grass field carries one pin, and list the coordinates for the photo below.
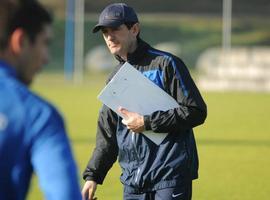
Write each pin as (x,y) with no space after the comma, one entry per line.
(233,144)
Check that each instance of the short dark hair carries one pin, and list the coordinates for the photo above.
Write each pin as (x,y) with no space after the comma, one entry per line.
(129,25)
(29,15)
(7,9)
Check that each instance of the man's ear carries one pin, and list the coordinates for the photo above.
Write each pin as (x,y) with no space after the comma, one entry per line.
(17,40)
(136,28)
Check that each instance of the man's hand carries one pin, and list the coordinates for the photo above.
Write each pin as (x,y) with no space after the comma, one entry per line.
(132,120)
(89,189)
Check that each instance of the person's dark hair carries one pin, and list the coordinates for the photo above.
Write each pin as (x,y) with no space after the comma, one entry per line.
(7,9)
(129,25)
(31,16)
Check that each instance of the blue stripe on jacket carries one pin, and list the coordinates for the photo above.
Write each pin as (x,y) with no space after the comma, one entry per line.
(178,75)
(156,76)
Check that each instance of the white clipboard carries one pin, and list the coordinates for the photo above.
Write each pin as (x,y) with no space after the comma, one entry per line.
(131,90)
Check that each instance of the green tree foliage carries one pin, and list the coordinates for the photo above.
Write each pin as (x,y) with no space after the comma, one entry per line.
(261,7)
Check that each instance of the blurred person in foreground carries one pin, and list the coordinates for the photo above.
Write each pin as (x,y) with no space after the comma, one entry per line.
(149,171)
(32,132)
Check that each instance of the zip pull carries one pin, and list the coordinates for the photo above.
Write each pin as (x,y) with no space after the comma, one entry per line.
(137,156)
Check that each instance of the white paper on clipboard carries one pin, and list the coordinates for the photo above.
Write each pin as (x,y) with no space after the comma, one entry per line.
(130,89)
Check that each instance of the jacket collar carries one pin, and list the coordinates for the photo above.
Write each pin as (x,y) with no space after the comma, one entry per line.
(137,54)
(7,70)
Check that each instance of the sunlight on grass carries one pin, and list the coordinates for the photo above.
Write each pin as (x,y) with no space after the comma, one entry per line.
(233,144)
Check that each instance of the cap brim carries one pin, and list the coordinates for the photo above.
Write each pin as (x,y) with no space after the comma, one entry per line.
(106,24)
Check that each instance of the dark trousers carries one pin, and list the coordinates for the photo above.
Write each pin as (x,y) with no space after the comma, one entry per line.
(176,193)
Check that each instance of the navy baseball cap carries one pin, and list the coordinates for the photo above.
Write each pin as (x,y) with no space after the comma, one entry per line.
(115,15)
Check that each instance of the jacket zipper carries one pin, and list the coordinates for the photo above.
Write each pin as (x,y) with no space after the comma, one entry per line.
(137,157)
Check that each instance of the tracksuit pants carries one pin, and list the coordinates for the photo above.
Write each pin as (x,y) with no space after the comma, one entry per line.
(177,193)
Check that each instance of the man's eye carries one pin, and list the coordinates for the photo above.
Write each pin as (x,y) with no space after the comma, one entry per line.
(115,29)
(104,31)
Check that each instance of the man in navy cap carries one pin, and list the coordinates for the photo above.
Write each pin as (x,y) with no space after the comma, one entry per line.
(149,171)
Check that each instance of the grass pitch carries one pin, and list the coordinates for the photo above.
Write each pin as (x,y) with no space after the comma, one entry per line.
(233,144)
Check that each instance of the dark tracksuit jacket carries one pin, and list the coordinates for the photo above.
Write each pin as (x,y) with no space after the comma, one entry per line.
(145,165)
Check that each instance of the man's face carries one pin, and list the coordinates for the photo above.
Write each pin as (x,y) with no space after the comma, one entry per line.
(34,55)
(119,39)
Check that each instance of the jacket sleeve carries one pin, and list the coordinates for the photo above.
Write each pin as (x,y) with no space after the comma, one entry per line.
(106,150)
(192,110)
(51,156)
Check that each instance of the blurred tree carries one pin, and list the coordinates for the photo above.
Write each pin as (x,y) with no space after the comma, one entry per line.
(255,7)
(58,7)
(186,6)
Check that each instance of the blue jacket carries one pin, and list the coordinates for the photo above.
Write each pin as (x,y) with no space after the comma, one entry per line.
(145,165)
(32,138)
